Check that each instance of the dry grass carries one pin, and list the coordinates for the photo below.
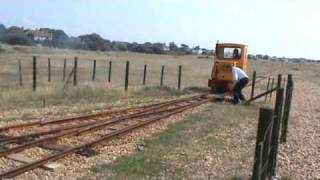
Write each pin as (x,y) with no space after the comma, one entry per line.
(195,73)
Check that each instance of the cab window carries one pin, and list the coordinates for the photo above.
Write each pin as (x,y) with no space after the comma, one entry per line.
(229,53)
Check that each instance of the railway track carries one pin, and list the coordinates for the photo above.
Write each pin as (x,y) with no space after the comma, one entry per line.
(94,128)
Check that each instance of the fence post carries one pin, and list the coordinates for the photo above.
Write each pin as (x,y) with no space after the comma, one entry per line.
(127,76)
(75,66)
(276,129)
(268,84)
(179,77)
(161,78)
(253,83)
(259,161)
(49,70)
(94,70)
(34,77)
(64,69)
(272,83)
(287,107)
(109,73)
(144,74)
(20,72)
(265,120)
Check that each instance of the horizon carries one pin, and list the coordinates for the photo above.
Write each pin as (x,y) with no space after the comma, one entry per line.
(194,23)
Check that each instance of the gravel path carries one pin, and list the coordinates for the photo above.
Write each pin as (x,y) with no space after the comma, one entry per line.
(300,157)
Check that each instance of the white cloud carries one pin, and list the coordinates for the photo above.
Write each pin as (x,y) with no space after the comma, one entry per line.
(27,22)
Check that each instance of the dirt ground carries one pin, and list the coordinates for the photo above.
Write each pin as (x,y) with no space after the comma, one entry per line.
(299,158)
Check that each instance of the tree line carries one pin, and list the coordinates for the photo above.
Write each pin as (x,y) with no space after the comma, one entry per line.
(58,38)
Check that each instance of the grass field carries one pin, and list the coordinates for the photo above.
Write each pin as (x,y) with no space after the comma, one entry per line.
(195,73)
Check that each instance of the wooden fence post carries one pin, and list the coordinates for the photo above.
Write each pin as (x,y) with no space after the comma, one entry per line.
(144,75)
(64,69)
(20,72)
(75,66)
(287,107)
(34,77)
(268,84)
(276,129)
(161,78)
(49,70)
(253,83)
(179,77)
(94,70)
(126,84)
(265,120)
(272,84)
(109,73)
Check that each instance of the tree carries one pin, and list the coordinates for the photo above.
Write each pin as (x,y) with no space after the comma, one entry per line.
(158,48)
(173,46)
(93,42)
(119,46)
(59,38)
(16,36)
(2,31)
(197,48)
(259,56)
(185,49)
(266,57)
(205,51)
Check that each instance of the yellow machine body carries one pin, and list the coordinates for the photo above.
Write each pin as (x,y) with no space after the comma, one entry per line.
(226,55)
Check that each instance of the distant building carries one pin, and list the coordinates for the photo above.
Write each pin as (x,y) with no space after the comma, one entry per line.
(197,51)
(41,35)
(165,47)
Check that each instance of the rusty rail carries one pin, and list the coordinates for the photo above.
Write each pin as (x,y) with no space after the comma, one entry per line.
(86,117)
(157,115)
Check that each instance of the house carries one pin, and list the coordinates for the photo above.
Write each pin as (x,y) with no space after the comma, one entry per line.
(41,35)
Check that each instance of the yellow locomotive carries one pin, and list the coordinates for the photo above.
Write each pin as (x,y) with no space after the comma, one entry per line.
(226,55)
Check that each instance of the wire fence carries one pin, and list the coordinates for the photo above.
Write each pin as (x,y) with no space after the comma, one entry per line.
(48,72)
(272,130)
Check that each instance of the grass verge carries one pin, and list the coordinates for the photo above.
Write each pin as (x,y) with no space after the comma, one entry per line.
(83,95)
(181,151)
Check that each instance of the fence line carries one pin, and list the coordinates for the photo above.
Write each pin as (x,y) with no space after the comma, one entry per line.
(126,84)
(179,77)
(109,72)
(34,74)
(64,69)
(161,77)
(49,70)
(75,67)
(144,75)
(269,129)
(253,83)
(75,73)
(94,70)
(20,72)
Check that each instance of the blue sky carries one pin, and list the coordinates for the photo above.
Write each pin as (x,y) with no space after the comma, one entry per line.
(288,28)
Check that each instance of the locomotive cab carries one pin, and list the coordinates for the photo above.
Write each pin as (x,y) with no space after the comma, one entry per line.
(226,54)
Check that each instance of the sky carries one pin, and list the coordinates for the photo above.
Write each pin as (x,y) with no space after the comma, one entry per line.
(289,28)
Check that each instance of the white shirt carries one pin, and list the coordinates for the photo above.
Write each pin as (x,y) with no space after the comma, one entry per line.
(238,73)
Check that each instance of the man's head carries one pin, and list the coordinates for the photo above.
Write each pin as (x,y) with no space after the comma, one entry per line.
(236,54)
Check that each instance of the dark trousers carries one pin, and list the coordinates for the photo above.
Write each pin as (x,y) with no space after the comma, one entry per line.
(237,90)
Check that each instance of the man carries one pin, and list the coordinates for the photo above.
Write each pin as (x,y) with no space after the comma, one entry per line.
(236,54)
(241,80)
